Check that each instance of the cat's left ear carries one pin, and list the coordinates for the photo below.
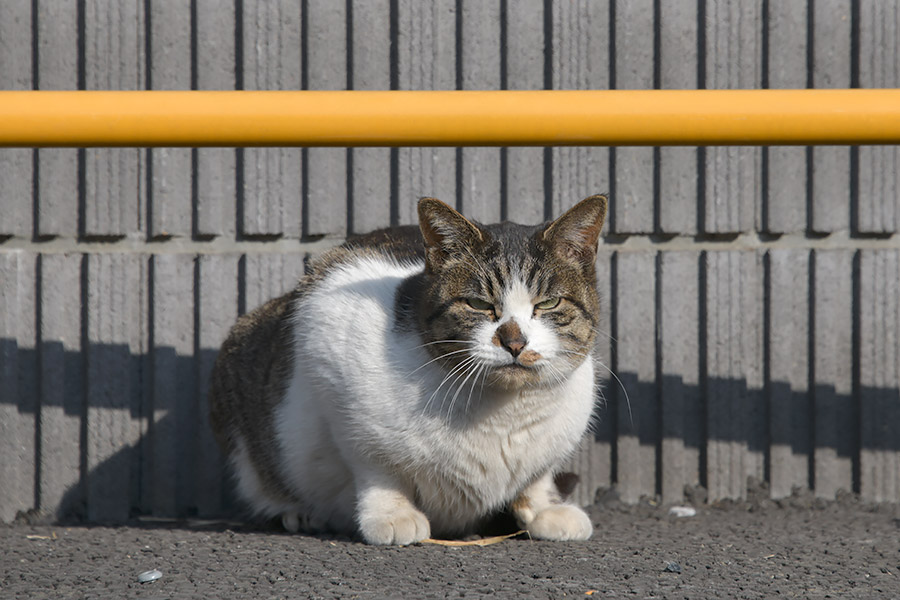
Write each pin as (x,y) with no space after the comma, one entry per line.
(446,232)
(574,235)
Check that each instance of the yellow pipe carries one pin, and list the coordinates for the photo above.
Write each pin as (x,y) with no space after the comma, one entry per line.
(451,118)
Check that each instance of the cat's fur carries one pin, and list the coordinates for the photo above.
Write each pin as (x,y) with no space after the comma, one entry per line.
(419,380)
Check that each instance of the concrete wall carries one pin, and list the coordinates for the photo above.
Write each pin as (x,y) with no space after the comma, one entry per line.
(751,293)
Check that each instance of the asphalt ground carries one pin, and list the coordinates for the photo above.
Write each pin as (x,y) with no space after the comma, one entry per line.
(796,548)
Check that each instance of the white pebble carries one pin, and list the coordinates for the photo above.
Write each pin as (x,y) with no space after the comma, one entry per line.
(683,511)
(148,576)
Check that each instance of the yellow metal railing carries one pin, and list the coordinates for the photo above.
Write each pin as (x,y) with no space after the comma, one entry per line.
(452,118)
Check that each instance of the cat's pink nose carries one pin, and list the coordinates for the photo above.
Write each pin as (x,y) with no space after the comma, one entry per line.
(510,337)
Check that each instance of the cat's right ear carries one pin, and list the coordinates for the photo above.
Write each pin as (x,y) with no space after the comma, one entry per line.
(574,235)
(446,232)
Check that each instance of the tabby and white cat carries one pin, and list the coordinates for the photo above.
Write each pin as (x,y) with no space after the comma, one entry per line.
(419,380)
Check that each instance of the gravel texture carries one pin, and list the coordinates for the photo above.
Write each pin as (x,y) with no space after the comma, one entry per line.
(797,548)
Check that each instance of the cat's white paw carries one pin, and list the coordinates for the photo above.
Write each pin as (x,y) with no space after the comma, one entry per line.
(561,522)
(401,526)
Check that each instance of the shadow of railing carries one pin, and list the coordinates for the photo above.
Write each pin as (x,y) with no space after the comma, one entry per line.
(108,434)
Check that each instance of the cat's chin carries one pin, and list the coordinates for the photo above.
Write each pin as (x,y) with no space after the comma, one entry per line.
(513,377)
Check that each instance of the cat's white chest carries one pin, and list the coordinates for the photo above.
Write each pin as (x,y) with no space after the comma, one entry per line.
(495,455)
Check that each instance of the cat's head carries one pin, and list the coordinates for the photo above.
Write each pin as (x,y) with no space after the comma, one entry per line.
(511,305)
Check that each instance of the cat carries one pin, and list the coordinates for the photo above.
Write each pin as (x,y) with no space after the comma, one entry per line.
(419,380)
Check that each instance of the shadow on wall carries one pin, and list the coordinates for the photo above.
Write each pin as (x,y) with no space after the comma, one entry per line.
(107,434)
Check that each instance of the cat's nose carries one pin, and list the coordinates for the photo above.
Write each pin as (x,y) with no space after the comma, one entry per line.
(514,346)
(510,337)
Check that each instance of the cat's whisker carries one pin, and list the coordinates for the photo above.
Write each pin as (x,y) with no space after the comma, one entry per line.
(603,401)
(555,372)
(470,342)
(459,367)
(560,376)
(443,381)
(616,377)
(609,336)
(462,365)
(485,370)
(481,368)
(447,392)
(469,365)
(624,391)
(475,366)
(445,355)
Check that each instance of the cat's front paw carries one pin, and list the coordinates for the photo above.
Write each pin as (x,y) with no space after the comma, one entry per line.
(401,526)
(561,522)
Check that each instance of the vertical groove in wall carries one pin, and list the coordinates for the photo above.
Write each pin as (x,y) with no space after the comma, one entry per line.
(35,158)
(703,367)
(767,385)
(856,311)
(547,84)
(619,395)
(394,60)
(80,502)
(202,487)
(811,370)
(193,43)
(150,462)
(39,415)
(503,84)
(349,226)
(303,152)
(656,159)
(611,217)
(459,67)
(657,412)
(765,83)
(701,85)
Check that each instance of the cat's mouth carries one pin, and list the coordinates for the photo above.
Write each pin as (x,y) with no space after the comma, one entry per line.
(527,359)
(514,376)
(515,367)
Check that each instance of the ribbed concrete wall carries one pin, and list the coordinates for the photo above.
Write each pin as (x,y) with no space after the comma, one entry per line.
(751,293)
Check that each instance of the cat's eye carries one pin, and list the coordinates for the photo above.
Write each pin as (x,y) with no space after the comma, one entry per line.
(548,304)
(479,304)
